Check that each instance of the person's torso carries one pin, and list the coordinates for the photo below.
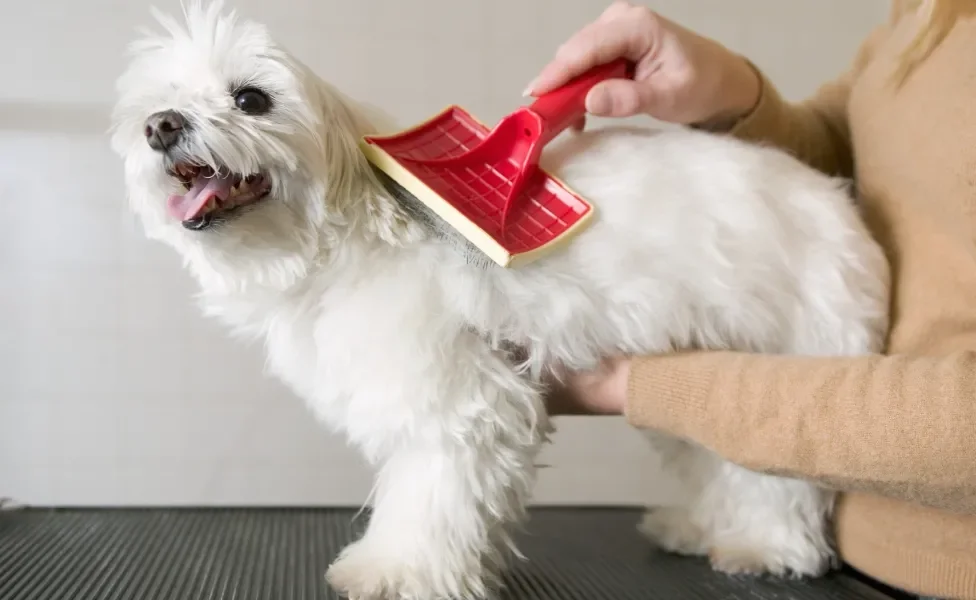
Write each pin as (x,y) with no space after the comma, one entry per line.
(915,170)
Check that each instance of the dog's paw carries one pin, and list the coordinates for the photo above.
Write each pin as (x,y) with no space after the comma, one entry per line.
(362,573)
(745,561)
(672,530)
(759,559)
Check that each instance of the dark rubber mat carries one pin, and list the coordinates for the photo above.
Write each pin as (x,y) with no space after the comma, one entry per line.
(217,554)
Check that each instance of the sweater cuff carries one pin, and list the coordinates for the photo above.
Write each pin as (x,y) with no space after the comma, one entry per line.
(756,124)
(669,392)
(765,118)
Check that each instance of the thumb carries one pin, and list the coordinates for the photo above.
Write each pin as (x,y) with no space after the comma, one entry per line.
(616,98)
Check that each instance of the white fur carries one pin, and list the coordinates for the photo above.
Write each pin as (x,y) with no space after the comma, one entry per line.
(701,241)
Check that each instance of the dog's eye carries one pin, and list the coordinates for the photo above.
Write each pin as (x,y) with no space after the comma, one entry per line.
(252,102)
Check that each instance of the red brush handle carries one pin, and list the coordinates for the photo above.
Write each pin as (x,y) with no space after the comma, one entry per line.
(565,105)
(526,131)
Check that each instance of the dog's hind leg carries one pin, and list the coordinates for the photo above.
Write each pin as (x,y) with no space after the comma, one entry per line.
(745,522)
(748,522)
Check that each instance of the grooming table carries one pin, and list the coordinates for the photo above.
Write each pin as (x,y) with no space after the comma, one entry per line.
(282,554)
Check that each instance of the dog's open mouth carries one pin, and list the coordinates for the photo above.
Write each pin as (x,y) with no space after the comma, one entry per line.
(211,196)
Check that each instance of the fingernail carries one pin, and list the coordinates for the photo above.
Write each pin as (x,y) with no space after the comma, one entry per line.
(528,89)
(598,101)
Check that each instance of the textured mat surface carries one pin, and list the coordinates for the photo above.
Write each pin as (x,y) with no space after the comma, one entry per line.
(282,555)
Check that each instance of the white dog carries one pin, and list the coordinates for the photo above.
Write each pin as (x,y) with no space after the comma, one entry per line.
(246,163)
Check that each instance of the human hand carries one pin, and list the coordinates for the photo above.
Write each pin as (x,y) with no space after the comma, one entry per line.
(679,76)
(599,392)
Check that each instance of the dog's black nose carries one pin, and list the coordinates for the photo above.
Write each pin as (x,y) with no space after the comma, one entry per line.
(164,129)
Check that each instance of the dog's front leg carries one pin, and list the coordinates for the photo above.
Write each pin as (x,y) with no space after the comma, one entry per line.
(456,471)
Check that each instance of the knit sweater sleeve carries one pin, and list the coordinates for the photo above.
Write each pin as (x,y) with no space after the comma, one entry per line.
(899,426)
(815,130)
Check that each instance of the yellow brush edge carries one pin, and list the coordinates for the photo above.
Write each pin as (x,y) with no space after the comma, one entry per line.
(465,226)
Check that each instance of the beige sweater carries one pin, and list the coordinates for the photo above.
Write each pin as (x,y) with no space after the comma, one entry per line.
(896,433)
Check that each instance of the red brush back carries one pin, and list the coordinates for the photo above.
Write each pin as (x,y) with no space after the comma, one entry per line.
(542,212)
(491,176)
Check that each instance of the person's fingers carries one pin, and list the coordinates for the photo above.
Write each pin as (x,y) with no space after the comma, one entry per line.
(579,124)
(617,98)
(572,58)
(557,72)
(560,398)
(562,402)
(628,34)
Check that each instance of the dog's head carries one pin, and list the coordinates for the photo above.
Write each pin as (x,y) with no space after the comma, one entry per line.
(235,153)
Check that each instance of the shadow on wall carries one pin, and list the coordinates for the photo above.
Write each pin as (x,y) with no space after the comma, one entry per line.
(40,117)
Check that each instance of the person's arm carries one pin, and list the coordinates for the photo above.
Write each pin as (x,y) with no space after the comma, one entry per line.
(815,130)
(898,426)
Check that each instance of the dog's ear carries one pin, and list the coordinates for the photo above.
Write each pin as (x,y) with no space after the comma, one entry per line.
(354,191)
(390,222)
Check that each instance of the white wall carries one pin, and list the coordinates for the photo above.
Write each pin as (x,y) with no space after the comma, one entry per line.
(114,390)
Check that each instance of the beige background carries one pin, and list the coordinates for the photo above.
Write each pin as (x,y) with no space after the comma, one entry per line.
(114,390)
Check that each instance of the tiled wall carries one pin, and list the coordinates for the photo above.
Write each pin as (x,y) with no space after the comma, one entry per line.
(114,390)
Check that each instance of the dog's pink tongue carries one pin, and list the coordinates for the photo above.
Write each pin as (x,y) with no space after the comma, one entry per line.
(190,205)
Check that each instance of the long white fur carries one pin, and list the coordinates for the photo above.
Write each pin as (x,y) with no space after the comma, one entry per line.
(701,241)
